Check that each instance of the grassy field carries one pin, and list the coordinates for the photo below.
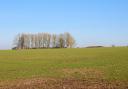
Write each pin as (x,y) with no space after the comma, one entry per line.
(109,64)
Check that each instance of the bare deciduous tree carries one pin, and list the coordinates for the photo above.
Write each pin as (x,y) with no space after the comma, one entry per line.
(43,40)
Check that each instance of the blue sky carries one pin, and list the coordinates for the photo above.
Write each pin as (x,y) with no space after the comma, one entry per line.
(91,22)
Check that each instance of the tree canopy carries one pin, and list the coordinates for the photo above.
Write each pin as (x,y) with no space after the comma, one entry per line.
(44,40)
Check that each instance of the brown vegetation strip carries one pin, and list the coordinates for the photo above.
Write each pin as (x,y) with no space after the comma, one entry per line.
(63,84)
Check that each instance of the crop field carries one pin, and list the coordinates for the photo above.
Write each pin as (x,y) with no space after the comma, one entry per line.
(80,68)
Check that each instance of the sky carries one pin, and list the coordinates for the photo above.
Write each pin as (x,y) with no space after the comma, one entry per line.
(91,22)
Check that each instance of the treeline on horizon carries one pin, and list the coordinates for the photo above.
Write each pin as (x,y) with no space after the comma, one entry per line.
(43,40)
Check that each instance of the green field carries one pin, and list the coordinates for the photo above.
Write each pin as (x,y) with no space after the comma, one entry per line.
(109,64)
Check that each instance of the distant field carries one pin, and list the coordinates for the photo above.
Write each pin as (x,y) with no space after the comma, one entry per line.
(100,64)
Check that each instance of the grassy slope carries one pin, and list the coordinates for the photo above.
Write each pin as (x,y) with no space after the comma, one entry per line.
(113,62)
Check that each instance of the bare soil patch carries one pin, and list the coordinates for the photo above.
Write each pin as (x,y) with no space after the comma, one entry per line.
(40,83)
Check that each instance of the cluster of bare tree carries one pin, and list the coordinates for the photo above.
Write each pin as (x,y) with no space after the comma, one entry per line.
(43,40)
